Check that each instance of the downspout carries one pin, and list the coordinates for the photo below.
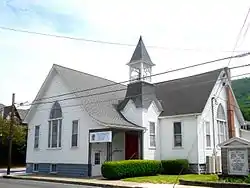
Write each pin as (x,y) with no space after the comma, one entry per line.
(214,150)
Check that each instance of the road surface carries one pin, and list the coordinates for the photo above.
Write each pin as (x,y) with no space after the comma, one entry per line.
(12,183)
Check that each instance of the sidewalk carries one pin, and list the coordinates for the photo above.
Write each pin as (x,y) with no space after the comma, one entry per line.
(20,169)
(95,182)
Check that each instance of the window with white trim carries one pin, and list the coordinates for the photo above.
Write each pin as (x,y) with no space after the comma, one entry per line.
(36,137)
(152,133)
(208,134)
(74,137)
(35,167)
(177,134)
(53,168)
(55,126)
(221,124)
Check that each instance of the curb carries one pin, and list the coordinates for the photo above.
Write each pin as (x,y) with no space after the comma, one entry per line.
(69,182)
(213,184)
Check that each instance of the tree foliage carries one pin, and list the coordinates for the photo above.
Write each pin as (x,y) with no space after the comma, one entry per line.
(241,89)
(19,133)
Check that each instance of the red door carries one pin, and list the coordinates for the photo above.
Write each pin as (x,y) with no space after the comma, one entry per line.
(131,146)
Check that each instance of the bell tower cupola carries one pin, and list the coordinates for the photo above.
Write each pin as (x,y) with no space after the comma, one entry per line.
(140,64)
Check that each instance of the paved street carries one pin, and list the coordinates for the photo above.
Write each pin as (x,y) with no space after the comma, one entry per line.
(11,183)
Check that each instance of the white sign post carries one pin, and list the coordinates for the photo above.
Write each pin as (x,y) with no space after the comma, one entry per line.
(104,136)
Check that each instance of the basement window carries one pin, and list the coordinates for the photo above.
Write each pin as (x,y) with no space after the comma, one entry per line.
(53,168)
(35,167)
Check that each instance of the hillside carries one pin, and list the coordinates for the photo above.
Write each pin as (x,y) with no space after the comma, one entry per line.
(241,89)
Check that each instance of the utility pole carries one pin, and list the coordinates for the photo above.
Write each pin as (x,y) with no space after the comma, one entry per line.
(11,133)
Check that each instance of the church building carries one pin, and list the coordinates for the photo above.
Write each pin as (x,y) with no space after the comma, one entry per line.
(78,121)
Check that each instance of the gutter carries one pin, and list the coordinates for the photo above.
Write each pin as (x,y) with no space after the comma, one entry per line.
(214,149)
(181,115)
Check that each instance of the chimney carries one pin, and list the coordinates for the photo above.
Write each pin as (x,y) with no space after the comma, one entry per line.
(230,106)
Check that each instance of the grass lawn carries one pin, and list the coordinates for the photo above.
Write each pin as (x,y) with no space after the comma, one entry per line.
(172,178)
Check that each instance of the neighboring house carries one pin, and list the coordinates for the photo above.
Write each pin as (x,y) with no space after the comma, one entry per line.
(74,134)
(245,130)
(246,126)
(5,112)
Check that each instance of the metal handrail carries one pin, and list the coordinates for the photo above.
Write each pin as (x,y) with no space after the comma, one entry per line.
(132,155)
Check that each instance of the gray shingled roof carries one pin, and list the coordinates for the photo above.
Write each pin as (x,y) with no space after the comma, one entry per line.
(181,96)
(102,108)
(1,106)
(186,95)
(142,94)
(22,113)
(141,54)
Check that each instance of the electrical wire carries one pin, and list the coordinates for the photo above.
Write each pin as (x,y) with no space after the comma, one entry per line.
(100,41)
(238,37)
(158,74)
(196,140)
(148,93)
(107,92)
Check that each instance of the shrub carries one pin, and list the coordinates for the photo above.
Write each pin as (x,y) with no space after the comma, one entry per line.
(174,167)
(130,168)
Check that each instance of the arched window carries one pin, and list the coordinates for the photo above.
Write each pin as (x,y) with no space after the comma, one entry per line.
(56,111)
(221,124)
(55,126)
(221,113)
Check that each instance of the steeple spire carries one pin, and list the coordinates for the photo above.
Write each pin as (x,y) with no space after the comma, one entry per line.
(140,64)
(141,54)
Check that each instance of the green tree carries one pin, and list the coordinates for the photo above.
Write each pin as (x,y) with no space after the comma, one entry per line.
(19,133)
(241,89)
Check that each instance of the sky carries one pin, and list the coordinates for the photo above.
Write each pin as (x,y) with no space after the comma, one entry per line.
(181,32)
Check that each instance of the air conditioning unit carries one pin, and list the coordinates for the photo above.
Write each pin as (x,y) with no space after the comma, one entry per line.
(210,164)
(218,164)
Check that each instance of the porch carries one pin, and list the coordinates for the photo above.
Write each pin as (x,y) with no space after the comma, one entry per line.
(113,145)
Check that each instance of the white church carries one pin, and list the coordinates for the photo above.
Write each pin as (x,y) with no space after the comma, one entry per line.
(78,120)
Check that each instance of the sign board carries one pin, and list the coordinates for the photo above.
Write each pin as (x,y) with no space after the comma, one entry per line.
(238,162)
(104,136)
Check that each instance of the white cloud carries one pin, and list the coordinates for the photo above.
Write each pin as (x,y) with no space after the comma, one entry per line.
(210,25)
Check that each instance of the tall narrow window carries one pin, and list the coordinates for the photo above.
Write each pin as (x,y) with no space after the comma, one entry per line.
(53,168)
(55,126)
(177,134)
(221,124)
(208,135)
(35,167)
(152,134)
(97,158)
(36,139)
(74,139)
(49,135)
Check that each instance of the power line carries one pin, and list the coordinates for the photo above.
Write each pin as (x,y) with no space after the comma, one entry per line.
(104,42)
(158,74)
(240,66)
(122,98)
(196,139)
(238,37)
